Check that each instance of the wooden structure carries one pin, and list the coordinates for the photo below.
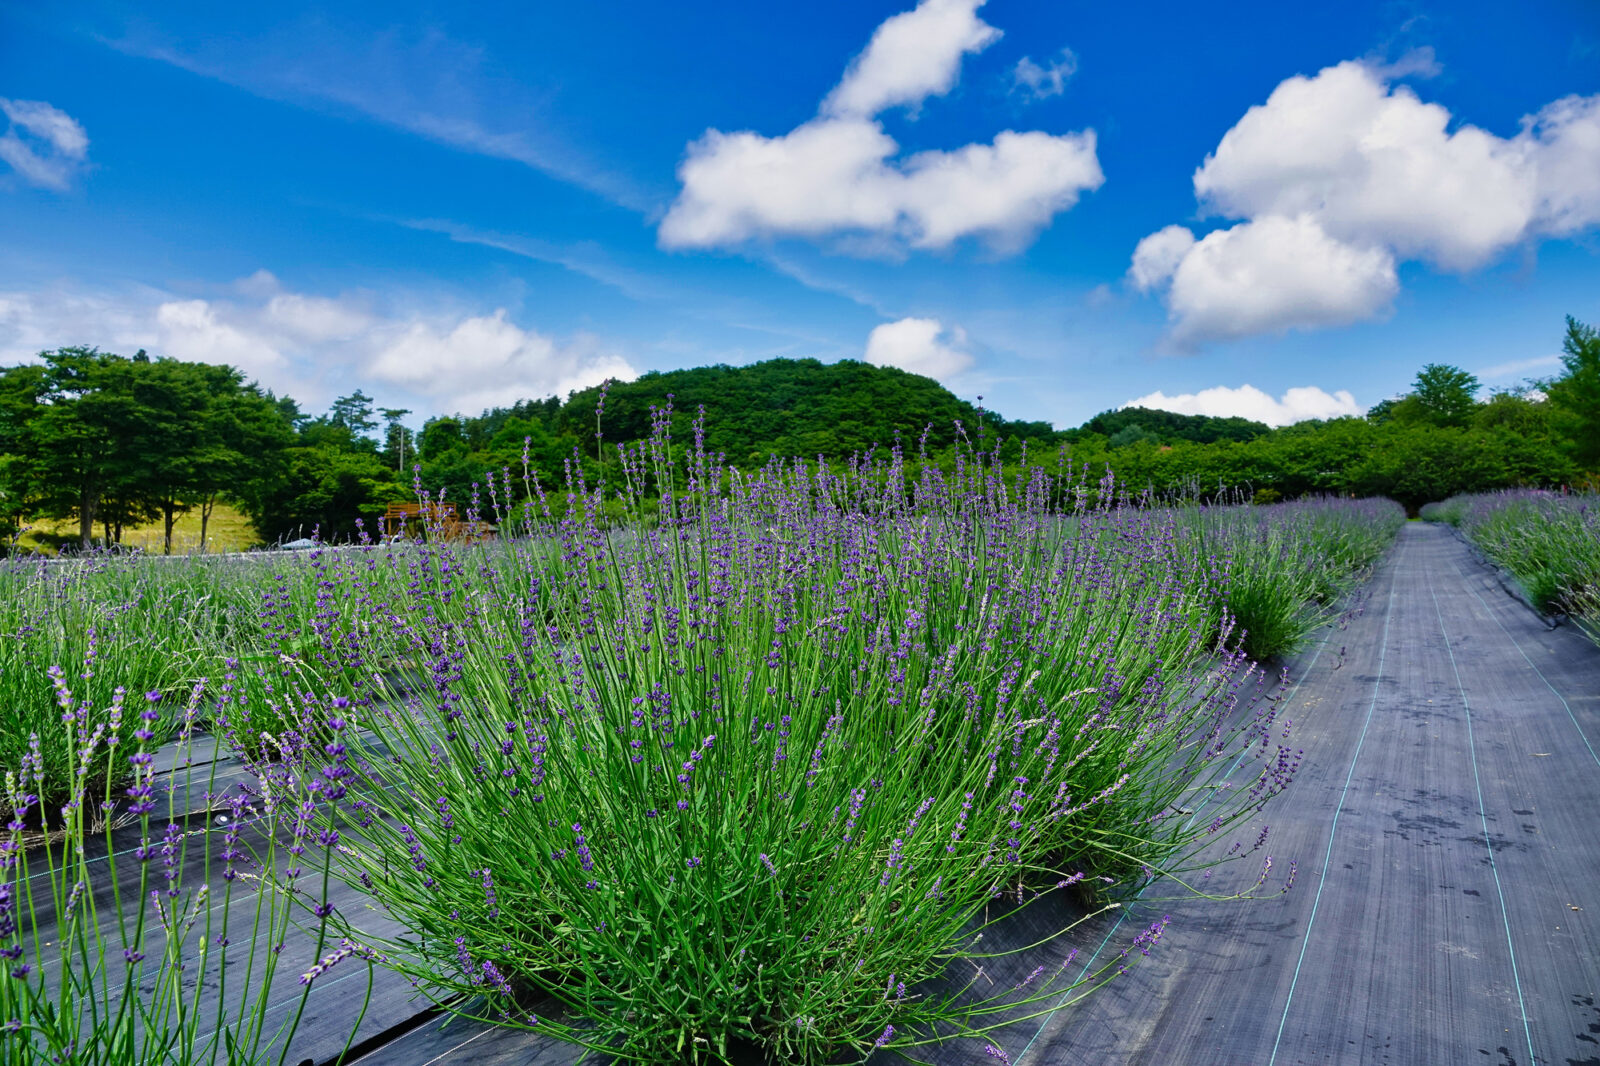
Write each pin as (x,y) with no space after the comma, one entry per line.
(434,521)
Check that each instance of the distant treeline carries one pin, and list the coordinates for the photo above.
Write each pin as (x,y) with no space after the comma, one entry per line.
(112,441)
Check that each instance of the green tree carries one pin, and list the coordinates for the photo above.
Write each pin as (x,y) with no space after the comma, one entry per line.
(1444,395)
(1170,427)
(1383,410)
(1516,411)
(440,436)
(1576,393)
(166,428)
(69,430)
(353,412)
(243,437)
(1133,433)
(324,489)
(397,439)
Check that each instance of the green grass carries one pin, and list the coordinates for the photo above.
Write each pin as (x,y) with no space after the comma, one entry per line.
(229,530)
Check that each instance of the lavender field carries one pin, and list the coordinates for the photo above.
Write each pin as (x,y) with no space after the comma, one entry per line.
(809,764)
(923,531)
(771,765)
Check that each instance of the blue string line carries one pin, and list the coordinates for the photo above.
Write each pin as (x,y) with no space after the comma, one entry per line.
(1581,735)
(1122,914)
(1383,652)
(1472,750)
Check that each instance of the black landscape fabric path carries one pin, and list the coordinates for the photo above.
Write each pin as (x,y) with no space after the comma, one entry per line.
(1447,828)
(1446,831)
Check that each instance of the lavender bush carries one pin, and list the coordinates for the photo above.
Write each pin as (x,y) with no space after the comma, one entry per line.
(758,764)
(1288,564)
(687,762)
(1549,541)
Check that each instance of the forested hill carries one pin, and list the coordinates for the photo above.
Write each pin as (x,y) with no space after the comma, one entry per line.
(1132,424)
(779,407)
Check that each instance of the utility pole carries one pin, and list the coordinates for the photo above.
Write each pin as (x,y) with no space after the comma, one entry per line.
(397,432)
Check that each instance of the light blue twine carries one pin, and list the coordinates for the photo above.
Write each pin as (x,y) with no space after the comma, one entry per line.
(1581,735)
(1333,830)
(1122,914)
(1494,868)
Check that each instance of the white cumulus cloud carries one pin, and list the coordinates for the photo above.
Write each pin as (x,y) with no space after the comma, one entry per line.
(920,346)
(314,319)
(487,361)
(312,347)
(912,56)
(840,173)
(201,332)
(1247,401)
(1264,275)
(1158,255)
(44,145)
(1354,174)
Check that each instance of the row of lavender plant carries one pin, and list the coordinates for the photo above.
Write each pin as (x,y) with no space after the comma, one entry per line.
(1289,564)
(132,931)
(758,765)
(110,621)
(1549,541)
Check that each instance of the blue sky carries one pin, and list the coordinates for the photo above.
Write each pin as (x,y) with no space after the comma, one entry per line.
(1061,208)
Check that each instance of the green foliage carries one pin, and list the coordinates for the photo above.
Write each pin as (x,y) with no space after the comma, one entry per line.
(1132,434)
(1516,412)
(1576,393)
(1442,395)
(781,407)
(116,441)
(353,412)
(1412,462)
(1168,426)
(323,489)
(793,407)
(399,443)
(1549,542)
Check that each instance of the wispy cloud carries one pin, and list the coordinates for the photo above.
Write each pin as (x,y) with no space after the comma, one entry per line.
(589,260)
(1042,81)
(1520,367)
(42,144)
(423,81)
(586,258)
(818,282)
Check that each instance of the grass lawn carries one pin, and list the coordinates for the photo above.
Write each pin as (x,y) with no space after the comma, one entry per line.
(229,530)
